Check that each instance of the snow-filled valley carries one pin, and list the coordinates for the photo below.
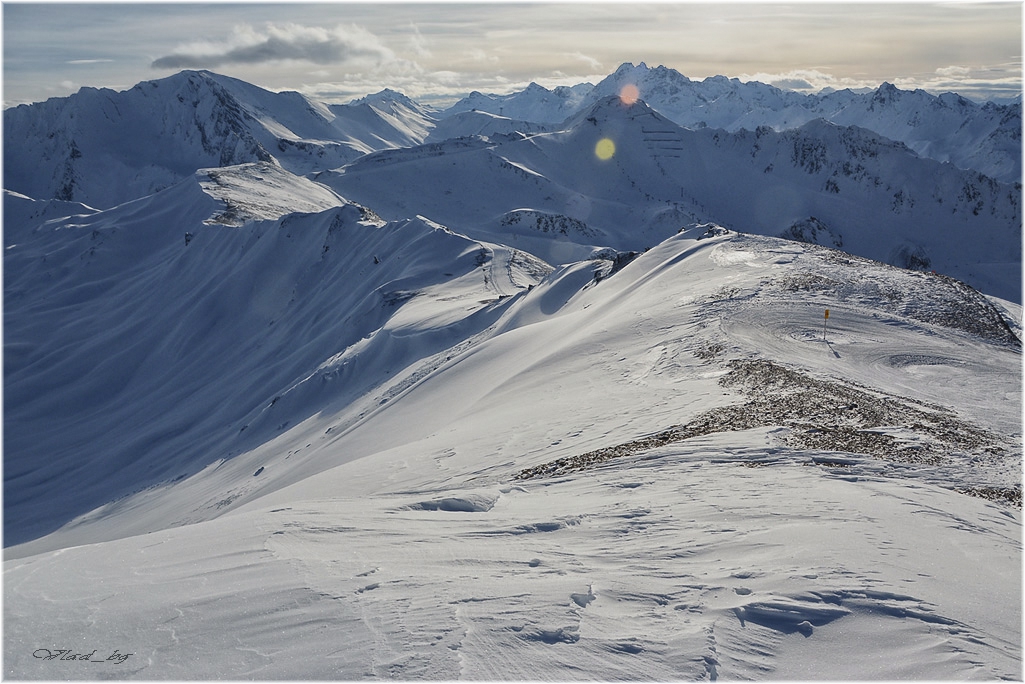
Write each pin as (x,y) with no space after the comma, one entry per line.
(374,391)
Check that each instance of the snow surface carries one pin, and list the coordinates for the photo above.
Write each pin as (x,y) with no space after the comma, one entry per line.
(504,419)
(401,544)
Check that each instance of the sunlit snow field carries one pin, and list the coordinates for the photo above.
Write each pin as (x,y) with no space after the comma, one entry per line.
(549,426)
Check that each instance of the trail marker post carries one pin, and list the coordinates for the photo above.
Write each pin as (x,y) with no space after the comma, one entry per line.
(826,318)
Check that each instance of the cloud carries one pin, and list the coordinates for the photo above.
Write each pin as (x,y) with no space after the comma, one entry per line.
(953,71)
(417,43)
(287,42)
(793,84)
(807,81)
(980,83)
(478,55)
(591,62)
(1002,81)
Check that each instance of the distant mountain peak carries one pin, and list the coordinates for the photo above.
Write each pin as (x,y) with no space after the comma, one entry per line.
(886,92)
(384,96)
(612,108)
(615,105)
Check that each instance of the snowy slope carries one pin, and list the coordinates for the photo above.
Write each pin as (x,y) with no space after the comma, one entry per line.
(810,527)
(388,116)
(466,124)
(162,314)
(839,186)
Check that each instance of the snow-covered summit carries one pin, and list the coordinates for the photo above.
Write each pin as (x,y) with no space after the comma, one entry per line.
(535,103)
(384,120)
(103,147)
(386,96)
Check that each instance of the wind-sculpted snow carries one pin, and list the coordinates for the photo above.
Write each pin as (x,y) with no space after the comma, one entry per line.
(376,527)
(262,191)
(675,569)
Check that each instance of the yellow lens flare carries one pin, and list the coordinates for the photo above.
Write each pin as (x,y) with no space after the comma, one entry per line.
(629,94)
(605,149)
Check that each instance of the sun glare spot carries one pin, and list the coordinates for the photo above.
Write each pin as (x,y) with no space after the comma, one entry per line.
(628,94)
(605,149)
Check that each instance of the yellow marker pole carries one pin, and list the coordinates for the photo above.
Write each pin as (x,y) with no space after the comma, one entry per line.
(824,325)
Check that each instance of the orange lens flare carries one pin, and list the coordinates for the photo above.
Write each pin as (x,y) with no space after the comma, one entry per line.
(628,94)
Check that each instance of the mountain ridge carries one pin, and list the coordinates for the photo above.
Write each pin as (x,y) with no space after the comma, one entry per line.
(720,102)
(50,153)
(219,300)
(104,147)
(875,196)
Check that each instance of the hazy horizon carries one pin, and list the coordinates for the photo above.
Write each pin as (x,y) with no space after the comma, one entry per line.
(440,52)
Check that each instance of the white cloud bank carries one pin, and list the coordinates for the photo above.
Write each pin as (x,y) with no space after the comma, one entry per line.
(342,44)
(982,81)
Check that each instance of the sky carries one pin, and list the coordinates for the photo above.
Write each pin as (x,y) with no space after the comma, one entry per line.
(439,52)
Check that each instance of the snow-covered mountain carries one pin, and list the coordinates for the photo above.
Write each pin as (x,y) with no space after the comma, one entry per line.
(384,120)
(531,402)
(102,147)
(869,195)
(985,138)
(484,124)
(534,103)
